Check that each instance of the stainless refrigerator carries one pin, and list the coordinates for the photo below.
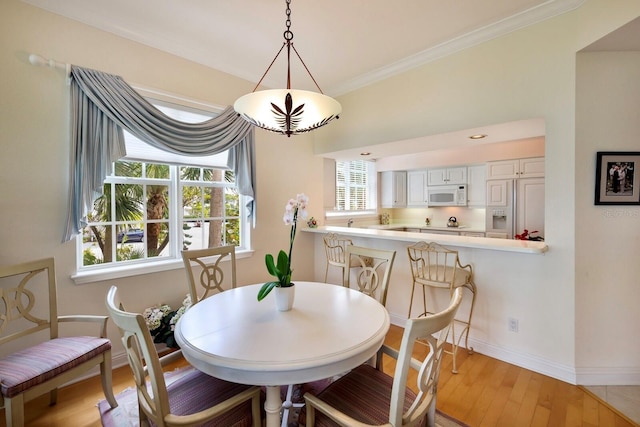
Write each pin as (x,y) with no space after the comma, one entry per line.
(514,205)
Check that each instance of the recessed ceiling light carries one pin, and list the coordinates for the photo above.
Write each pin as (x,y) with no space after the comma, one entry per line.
(365,153)
(478,136)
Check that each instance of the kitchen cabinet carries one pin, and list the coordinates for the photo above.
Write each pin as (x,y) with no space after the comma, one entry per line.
(447,176)
(497,192)
(417,188)
(516,168)
(530,202)
(476,189)
(453,232)
(393,189)
(472,233)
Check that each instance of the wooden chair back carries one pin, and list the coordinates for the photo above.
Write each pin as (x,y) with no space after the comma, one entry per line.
(205,273)
(434,331)
(372,269)
(143,360)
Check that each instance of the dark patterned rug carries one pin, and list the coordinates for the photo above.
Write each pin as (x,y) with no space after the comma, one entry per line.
(126,414)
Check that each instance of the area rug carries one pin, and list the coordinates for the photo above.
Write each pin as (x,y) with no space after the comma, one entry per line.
(126,414)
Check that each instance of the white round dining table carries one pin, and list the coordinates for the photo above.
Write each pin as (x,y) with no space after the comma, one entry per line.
(330,329)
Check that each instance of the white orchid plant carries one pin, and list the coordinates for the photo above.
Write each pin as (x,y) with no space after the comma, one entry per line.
(282,269)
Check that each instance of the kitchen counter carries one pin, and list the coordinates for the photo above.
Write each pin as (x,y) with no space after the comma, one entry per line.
(449,239)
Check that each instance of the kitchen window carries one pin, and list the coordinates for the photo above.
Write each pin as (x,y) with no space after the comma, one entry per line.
(355,187)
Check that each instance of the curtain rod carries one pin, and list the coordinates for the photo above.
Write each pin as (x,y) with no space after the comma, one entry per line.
(41,61)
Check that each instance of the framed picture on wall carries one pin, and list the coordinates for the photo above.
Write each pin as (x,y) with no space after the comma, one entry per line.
(615,178)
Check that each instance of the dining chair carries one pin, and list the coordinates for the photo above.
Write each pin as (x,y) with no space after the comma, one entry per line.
(36,358)
(368,396)
(334,247)
(437,267)
(205,275)
(371,268)
(193,400)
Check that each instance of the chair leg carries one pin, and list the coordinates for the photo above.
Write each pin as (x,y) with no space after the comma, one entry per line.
(14,411)
(472,288)
(465,330)
(326,272)
(106,379)
(53,397)
(413,289)
(287,405)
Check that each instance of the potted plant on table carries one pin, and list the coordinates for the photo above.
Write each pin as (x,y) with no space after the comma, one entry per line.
(282,268)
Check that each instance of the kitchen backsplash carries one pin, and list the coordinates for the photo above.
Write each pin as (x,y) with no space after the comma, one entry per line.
(470,217)
(473,218)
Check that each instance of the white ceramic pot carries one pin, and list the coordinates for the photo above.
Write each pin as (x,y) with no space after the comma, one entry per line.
(284,297)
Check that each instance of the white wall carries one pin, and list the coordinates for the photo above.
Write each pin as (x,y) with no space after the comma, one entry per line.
(608,237)
(526,74)
(34,155)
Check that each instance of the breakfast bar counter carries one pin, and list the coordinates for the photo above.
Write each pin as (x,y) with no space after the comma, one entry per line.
(521,246)
(512,279)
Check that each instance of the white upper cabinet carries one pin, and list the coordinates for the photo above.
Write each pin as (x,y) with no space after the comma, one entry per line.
(516,168)
(447,176)
(476,189)
(417,188)
(393,189)
(497,192)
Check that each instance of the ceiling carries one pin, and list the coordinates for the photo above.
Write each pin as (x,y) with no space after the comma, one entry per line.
(346,44)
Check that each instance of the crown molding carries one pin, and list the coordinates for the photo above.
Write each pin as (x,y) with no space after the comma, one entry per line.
(524,19)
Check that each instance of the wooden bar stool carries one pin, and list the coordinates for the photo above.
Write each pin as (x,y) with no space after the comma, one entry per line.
(435,266)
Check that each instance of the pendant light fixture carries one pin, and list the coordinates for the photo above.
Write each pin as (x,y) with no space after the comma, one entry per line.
(287,111)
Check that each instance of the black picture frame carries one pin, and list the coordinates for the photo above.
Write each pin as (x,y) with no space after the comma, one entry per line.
(616,181)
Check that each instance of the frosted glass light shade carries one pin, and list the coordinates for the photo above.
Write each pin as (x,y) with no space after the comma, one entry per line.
(287,111)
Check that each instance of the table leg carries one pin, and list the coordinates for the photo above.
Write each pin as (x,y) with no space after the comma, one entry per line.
(273,405)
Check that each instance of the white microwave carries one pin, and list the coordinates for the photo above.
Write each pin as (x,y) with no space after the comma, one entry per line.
(447,195)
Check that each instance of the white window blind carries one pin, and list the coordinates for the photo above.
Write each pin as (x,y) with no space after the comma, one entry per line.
(355,185)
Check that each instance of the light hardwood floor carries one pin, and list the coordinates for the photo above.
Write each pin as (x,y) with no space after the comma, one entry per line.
(485,392)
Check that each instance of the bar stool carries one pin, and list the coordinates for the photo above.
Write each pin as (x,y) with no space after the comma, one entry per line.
(435,266)
(334,247)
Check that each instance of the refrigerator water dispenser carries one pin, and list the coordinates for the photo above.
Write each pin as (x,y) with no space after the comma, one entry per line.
(499,219)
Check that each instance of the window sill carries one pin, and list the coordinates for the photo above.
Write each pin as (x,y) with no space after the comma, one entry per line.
(98,275)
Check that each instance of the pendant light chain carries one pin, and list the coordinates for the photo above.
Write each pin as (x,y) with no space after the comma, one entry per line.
(288,36)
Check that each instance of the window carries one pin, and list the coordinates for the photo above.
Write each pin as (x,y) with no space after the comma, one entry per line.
(355,186)
(156,204)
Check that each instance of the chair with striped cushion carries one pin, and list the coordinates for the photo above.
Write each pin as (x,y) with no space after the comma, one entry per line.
(366,396)
(195,399)
(29,366)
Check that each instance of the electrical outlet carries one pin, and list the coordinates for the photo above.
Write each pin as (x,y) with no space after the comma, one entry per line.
(513,324)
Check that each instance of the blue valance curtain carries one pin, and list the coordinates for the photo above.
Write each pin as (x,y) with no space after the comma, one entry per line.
(102,105)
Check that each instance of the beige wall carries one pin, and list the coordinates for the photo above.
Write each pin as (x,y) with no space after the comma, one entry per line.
(35,150)
(608,237)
